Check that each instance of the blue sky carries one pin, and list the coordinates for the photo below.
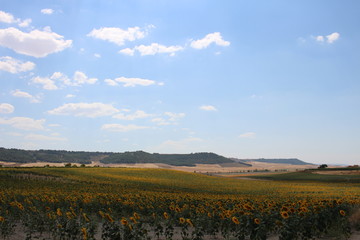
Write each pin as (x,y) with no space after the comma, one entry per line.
(244,79)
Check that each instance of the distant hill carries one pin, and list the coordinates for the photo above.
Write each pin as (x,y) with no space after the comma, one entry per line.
(62,156)
(292,161)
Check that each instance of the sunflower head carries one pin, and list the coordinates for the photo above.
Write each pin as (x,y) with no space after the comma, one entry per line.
(235,220)
(342,213)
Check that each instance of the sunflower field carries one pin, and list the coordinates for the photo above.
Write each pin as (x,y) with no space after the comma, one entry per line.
(130,203)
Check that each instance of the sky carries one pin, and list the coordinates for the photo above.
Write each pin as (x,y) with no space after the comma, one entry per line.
(240,78)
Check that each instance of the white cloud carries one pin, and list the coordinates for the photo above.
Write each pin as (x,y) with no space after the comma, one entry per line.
(331,38)
(121,128)
(209,39)
(39,137)
(70,96)
(208,108)
(47,83)
(24,123)
(111,82)
(130,82)
(25,23)
(47,11)
(91,110)
(97,55)
(21,94)
(6,108)
(117,35)
(81,78)
(174,116)
(138,114)
(152,49)
(127,51)
(248,135)
(320,38)
(36,43)
(7,17)
(169,118)
(13,65)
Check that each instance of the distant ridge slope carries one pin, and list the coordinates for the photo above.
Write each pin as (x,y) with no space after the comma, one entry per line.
(62,156)
(292,161)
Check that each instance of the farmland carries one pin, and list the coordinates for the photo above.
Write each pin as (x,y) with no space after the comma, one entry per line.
(133,203)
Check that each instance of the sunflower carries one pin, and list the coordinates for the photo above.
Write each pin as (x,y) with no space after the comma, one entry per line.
(83,230)
(235,220)
(189,222)
(257,221)
(2,219)
(109,218)
(166,216)
(124,222)
(182,220)
(284,215)
(136,216)
(58,212)
(133,220)
(342,213)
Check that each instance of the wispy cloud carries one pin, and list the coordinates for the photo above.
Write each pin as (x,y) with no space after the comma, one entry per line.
(130,82)
(168,118)
(13,65)
(22,94)
(211,38)
(24,123)
(39,137)
(47,11)
(136,115)
(122,128)
(91,110)
(248,135)
(6,108)
(207,108)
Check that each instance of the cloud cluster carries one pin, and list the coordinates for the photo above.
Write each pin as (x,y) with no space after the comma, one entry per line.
(58,79)
(151,49)
(37,43)
(13,65)
(331,38)
(117,35)
(10,19)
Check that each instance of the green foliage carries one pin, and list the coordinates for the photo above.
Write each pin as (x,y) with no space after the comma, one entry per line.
(57,156)
(310,176)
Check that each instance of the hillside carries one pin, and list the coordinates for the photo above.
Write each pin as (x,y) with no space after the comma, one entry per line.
(292,161)
(61,156)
